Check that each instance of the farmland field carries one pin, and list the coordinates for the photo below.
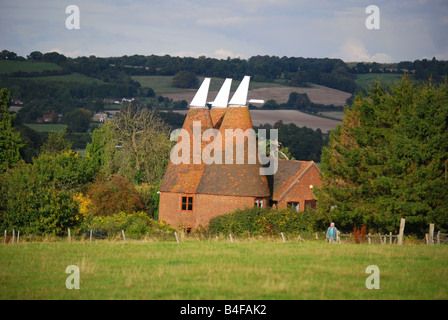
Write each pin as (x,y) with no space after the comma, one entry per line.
(258,90)
(300,119)
(46,127)
(66,78)
(7,67)
(218,269)
(369,79)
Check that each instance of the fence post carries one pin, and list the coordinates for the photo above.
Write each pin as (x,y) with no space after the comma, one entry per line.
(69,236)
(317,238)
(90,235)
(177,238)
(4,239)
(18,236)
(390,237)
(231,238)
(13,235)
(283,237)
(368,238)
(431,233)
(338,236)
(400,236)
(122,232)
(438,237)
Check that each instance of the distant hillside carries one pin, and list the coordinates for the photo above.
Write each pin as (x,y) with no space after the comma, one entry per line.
(9,67)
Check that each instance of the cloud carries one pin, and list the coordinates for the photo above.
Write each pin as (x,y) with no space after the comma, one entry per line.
(224,54)
(221,22)
(354,51)
(302,28)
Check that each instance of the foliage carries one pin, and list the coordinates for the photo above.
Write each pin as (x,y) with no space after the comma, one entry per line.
(150,198)
(56,143)
(258,221)
(135,145)
(186,80)
(10,142)
(298,100)
(78,120)
(300,143)
(135,224)
(113,194)
(37,198)
(389,160)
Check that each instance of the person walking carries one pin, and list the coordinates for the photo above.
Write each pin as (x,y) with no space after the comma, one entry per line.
(332,233)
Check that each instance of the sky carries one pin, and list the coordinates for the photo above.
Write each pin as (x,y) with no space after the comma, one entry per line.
(407,29)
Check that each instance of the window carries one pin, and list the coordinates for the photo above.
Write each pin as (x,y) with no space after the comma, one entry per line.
(259,203)
(295,206)
(187,203)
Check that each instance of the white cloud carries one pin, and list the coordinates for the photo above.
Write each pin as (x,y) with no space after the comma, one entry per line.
(354,51)
(224,54)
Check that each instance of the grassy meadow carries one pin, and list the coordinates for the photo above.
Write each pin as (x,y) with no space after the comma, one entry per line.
(163,84)
(369,79)
(7,66)
(42,127)
(218,269)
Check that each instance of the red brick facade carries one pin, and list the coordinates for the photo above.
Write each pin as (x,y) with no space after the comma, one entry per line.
(301,191)
(205,208)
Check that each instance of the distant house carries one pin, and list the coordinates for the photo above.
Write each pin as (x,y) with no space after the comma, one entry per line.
(127,99)
(100,117)
(112,101)
(47,118)
(293,185)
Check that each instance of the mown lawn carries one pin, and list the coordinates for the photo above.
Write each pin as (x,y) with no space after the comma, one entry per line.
(218,269)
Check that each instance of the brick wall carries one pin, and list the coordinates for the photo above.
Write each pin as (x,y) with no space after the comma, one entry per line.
(301,191)
(205,207)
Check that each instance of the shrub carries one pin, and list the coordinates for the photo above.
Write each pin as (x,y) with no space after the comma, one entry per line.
(112,195)
(150,198)
(135,225)
(258,221)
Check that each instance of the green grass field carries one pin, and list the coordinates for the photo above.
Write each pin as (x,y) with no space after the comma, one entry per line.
(7,67)
(41,127)
(369,79)
(163,84)
(66,78)
(218,269)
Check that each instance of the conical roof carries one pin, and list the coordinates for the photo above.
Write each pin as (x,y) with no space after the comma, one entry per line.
(185,178)
(236,179)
